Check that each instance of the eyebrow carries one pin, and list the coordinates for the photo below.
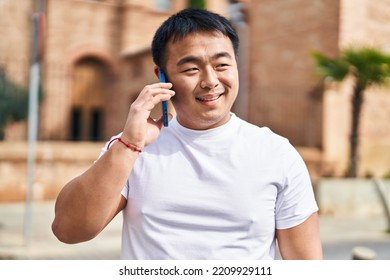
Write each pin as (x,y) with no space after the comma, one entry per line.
(195,59)
(187,59)
(222,54)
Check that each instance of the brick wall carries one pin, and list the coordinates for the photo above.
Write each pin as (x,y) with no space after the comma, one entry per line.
(284,93)
(56,164)
(15,30)
(362,23)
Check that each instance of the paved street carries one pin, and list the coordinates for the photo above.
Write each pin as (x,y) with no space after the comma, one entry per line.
(339,236)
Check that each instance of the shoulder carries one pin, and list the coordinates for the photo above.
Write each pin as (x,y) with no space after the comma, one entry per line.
(268,145)
(263,136)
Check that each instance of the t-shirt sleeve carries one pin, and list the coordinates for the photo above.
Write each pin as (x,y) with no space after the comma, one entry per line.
(125,190)
(105,147)
(296,200)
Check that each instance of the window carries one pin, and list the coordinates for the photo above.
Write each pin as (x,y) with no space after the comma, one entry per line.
(75,123)
(96,124)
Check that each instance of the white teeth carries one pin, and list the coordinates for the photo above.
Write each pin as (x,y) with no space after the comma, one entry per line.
(209,99)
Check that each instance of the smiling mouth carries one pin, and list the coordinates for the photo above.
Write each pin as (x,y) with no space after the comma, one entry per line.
(208,99)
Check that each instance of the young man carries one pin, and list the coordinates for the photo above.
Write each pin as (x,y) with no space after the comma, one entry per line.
(209,186)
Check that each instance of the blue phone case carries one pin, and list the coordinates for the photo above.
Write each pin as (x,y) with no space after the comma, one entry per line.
(164,103)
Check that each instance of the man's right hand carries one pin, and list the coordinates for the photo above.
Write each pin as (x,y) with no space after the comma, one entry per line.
(140,129)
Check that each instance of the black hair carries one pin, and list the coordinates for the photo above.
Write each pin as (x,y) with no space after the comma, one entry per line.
(188,21)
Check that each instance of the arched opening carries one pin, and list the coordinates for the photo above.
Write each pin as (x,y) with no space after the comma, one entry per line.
(91,79)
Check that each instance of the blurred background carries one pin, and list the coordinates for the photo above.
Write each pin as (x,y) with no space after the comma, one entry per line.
(314,71)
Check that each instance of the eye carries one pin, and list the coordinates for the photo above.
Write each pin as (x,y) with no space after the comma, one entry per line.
(222,66)
(191,70)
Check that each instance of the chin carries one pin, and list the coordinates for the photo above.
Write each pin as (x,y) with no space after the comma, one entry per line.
(214,121)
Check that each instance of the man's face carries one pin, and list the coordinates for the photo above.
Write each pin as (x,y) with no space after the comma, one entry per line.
(203,70)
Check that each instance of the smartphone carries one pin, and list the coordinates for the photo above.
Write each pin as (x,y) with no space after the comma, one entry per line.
(164,103)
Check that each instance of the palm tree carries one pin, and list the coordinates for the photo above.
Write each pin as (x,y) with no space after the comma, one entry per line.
(368,66)
(201,4)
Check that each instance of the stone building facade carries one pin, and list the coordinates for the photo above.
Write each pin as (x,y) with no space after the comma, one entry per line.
(361,23)
(97,59)
(287,96)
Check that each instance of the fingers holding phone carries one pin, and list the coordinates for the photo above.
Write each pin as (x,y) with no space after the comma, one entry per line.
(138,120)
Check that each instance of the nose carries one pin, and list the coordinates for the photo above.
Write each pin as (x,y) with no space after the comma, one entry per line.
(209,79)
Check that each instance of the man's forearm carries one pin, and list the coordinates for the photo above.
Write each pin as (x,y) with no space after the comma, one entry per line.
(87,203)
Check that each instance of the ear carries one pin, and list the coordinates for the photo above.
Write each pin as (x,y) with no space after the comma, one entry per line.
(157,71)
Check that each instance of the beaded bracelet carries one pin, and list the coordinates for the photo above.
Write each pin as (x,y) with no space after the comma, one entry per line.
(130,146)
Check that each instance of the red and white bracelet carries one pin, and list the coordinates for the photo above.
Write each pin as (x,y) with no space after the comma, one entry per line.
(128,145)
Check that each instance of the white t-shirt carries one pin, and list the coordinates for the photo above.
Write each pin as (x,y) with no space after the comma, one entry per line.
(214,194)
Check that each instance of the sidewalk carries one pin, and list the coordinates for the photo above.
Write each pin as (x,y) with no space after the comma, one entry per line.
(339,236)
(43,244)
